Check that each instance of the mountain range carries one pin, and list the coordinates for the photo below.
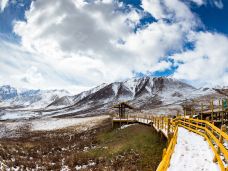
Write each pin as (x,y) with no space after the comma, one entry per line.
(26,98)
(157,95)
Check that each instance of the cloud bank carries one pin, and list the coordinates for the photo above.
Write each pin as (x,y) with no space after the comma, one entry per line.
(3,4)
(78,44)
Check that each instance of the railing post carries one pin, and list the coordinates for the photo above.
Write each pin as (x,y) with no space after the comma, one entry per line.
(168,128)
(158,122)
(189,120)
(176,136)
(201,111)
(222,112)
(184,115)
(212,109)
(155,121)
(197,123)
(112,121)
(207,119)
(162,123)
(170,136)
(163,153)
(223,129)
(173,128)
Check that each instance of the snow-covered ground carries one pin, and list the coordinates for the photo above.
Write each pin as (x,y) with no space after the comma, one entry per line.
(125,126)
(59,123)
(192,153)
(13,129)
(13,115)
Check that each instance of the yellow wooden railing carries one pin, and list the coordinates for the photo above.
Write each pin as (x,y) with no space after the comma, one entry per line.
(167,153)
(213,135)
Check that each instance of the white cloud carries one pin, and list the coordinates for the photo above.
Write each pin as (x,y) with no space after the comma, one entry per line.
(216,3)
(162,66)
(207,62)
(152,43)
(175,10)
(3,4)
(199,2)
(77,44)
(32,76)
(155,8)
(23,69)
(82,41)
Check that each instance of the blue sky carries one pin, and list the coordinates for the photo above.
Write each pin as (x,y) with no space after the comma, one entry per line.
(213,18)
(12,12)
(80,44)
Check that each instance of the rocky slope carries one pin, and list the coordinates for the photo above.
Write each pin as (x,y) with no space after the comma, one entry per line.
(147,94)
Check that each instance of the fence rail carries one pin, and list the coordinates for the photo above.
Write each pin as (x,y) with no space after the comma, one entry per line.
(169,127)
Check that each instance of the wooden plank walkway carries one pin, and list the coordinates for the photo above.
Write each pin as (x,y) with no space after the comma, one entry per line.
(162,127)
(192,153)
(214,136)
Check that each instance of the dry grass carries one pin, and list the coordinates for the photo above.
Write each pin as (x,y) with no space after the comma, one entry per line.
(133,148)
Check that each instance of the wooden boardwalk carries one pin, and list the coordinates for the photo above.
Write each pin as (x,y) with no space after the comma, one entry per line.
(161,125)
(214,136)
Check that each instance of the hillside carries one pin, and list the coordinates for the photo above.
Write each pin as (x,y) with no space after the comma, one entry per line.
(157,95)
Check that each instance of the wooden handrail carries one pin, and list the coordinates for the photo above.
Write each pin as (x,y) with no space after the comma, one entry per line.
(206,130)
(195,125)
(215,129)
(212,134)
(164,164)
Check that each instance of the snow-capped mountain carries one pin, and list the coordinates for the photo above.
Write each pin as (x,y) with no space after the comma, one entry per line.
(71,100)
(10,96)
(154,95)
(144,93)
(7,92)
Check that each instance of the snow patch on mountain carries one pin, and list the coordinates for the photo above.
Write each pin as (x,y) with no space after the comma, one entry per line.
(131,84)
(7,92)
(154,94)
(29,99)
(115,88)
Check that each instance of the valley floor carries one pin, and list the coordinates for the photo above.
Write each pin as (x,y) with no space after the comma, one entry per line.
(134,147)
(20,128)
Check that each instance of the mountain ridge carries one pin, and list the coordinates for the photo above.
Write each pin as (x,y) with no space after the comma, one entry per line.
(148,94)
(29,97)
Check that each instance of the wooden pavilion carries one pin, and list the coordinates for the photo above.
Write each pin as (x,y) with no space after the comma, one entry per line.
(122,108)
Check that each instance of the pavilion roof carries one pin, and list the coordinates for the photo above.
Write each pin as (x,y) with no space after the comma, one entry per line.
(123,104)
